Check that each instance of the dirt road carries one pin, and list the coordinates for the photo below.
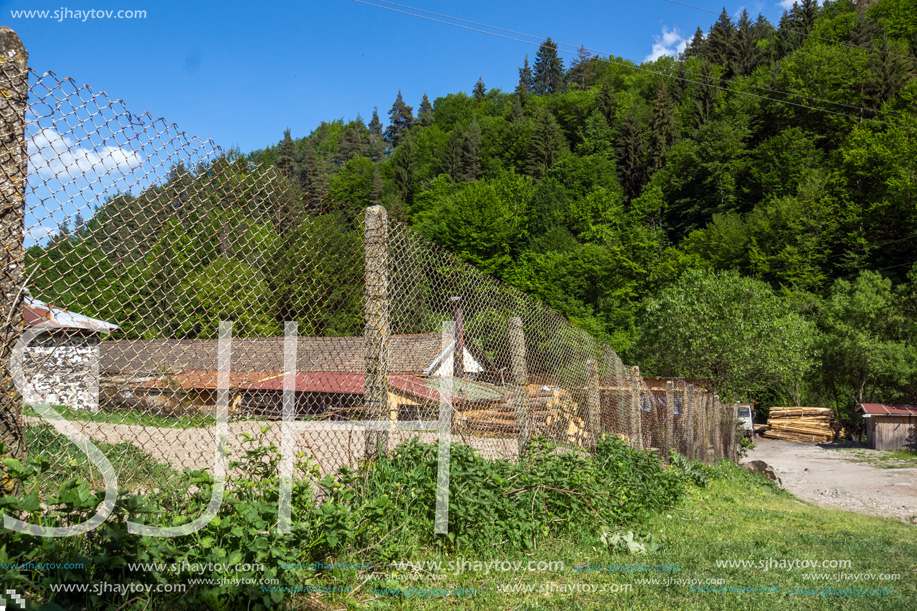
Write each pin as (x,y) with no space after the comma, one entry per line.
(830,477)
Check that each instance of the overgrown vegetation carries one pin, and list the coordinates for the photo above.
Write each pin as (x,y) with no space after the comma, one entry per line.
(382,514)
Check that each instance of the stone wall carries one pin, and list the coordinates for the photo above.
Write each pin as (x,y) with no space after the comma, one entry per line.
(63,369)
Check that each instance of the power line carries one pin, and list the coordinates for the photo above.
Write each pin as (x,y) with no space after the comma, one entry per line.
(657,73)
(840,42)
(492,27)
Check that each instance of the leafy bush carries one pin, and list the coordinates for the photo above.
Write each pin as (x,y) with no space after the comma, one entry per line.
(384,512)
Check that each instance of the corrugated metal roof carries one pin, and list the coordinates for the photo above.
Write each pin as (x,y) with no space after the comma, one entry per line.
(36,311)
(354,383)
(888,409)
(412,353)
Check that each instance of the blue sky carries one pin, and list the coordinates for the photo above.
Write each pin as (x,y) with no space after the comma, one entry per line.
(240,73)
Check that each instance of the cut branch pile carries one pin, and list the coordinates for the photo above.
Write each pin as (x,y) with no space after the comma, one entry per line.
(808,424)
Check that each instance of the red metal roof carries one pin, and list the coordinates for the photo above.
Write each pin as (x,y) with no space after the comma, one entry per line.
(348,383)
(883,409)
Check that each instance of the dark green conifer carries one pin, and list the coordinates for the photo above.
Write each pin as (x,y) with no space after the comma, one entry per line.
(425,112)
(548,75)
(480,91)
(400,120)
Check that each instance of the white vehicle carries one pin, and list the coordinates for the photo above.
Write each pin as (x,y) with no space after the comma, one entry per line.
(746,419)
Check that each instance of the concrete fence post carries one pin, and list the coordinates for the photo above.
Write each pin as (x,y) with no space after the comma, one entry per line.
(376,331)
(14,86)
(637,408)
(520,377)
(700,425)
(593,399)
(717,436)
(670,417)
(687,419)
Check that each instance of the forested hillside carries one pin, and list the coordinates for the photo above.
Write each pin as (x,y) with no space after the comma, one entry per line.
(746,212)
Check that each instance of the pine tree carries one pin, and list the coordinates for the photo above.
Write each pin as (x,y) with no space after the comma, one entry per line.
(582,72)
(629,156)
(354,141)
(404,170)
(526,80)
(401,118)
(480,91)
(720,44)
(452,156)
(316,177)
(747,55)
(705,94)
(377,187)
(549,69)
(662,131)
(518,109)
(547,143)
(425,112)
(605,102)
(286,156)
(696,48)
(376,138)
(471,151)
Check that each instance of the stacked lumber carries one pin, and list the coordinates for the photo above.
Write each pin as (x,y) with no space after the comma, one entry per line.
(554,415)
(806,424)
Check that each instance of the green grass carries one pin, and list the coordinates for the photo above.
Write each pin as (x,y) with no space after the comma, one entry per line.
(737,517)
(135,468)
(130,416)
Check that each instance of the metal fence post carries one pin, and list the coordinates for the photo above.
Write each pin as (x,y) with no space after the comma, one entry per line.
(733,435)
(14,84)
(670,416)
(593,399)
(376,330)
(520,383)
(636,407)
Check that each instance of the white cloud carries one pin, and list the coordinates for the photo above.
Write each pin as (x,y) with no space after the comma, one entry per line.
(53,155)
(39,233)
(670,43)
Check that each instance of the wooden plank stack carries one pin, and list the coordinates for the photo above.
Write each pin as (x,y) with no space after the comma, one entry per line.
(807,424)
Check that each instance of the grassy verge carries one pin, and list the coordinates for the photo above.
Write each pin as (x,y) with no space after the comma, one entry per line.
(894,459)
(130,416)
(738,517)
(135,469)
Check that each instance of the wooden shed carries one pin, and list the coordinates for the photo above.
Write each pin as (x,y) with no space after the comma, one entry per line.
(890,427)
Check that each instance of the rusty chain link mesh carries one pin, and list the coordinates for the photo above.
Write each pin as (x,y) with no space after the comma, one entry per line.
(139,240)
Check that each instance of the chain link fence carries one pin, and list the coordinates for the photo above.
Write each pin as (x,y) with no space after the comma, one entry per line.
(138,240)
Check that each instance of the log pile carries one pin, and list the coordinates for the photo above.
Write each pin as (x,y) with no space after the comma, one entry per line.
(806,424)
(554,415)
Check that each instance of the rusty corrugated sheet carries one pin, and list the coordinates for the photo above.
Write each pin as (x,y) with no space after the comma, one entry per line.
(888,409)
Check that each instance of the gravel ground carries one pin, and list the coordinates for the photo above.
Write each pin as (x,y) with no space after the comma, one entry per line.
(831,477)
(194,448)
